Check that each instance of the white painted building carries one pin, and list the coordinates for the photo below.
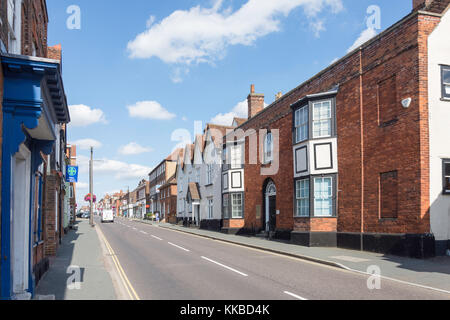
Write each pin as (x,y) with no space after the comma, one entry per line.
(439,113)
(210,177)
(184,177)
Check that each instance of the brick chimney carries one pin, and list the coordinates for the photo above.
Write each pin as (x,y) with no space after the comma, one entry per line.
(255,102)
(54,52)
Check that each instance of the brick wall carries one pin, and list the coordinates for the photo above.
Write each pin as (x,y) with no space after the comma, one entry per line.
(366,148)
(50,234)
(4,26)
(34,27)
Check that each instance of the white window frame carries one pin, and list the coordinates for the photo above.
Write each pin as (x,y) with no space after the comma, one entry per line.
(210,208)
(301,199)
(236,157)
(301,123)
(321,120)
(238,213)
(321,198)
(268,148)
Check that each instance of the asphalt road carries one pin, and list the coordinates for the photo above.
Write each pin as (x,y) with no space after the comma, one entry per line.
(162,264)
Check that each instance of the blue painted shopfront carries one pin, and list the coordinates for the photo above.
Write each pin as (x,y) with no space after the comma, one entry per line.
(34,103)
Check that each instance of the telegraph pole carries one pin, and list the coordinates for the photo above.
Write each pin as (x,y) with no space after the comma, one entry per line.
(91,187)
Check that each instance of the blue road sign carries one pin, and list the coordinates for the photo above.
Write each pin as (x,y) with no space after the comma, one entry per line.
(72,174)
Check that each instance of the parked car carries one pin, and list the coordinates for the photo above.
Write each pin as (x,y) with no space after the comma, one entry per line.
(80,214)
(107,216)
(86,215)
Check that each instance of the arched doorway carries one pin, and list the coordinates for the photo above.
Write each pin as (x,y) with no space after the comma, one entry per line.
(270,221)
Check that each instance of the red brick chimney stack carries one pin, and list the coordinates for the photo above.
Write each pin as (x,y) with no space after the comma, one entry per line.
(255,102)
(55,52)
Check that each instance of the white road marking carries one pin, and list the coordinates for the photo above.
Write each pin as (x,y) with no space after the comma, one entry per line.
(295,296)
(157,238)
(179,247)
(226,267)
(143,232)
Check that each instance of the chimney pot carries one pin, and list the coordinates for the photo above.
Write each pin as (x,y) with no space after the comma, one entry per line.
(252,89)
(278,95)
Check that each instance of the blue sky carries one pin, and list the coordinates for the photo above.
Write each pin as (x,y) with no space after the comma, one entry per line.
(186,60)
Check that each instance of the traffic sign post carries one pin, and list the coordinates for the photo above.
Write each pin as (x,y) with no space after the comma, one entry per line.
(72,174)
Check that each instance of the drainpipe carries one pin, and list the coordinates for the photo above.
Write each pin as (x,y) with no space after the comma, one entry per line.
(361,110)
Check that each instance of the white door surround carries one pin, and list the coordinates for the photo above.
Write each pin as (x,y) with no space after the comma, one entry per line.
(271,191)
(20,219)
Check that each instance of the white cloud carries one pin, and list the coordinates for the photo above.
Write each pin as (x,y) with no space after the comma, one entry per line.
(82,116)
(117,169)
(201,35)
(82,186)
(133,148)
(86,144)
(365,36)
(226,119)
(149,110)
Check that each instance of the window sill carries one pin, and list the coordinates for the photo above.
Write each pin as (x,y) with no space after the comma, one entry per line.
(445,99)
(313,217)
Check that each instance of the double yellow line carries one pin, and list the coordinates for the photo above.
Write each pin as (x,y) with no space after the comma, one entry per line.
(130,290)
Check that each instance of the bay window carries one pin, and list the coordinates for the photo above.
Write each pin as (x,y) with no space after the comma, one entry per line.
(236,157)
(302,198)
(322,119)
(302,124)
(236,205)
(323,197)
(225,206)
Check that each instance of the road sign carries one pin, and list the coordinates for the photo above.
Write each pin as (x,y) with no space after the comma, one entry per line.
(72,174)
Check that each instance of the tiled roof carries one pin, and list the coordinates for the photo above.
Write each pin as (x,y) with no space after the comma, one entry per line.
(240,121)
(193,189)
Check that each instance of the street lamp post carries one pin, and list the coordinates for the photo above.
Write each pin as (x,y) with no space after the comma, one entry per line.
(91,187)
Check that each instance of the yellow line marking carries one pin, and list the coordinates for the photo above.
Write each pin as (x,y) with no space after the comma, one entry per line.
(128,286)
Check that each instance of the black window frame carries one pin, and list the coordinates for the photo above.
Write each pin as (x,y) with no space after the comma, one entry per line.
(445,191)
(444,68)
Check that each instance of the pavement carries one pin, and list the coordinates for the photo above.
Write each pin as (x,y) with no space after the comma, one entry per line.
(162,263)
(428,273)
(80,270)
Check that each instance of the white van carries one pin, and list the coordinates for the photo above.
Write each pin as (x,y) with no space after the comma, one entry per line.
(107,216)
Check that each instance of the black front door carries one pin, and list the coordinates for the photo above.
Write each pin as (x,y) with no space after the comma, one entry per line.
(272,213)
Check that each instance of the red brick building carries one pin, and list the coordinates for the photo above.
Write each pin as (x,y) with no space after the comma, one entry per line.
(352,169)
(168,195)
